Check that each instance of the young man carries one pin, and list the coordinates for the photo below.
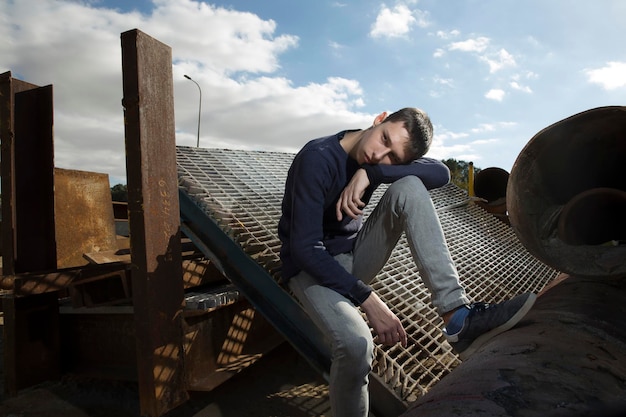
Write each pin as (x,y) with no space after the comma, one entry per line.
(329,256)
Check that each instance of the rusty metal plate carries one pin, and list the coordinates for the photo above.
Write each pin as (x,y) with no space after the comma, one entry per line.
(83,216)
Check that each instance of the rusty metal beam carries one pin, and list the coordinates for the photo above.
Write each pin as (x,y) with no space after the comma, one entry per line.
(34,181)
(153,208)
(9,86)
(31,351)
(58,280)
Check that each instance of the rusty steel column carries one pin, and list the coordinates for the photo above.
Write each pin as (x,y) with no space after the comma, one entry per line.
(154,217)
(31,351)
(9,87)
(34,181)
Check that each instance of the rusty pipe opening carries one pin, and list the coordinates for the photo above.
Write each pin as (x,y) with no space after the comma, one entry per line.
(490,184)
(490,187)
(594,217)
(565,193)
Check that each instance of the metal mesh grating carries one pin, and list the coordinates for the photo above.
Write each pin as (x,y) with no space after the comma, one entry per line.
(242,191)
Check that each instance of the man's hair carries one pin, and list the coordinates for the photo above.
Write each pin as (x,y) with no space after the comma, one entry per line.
(420,129)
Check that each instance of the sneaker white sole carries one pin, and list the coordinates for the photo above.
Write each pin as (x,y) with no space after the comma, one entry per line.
(484,338)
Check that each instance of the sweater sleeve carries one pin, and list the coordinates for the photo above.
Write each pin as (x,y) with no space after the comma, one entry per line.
(433,173)
(309,196)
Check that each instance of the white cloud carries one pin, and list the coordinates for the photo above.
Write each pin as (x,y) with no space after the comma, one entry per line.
(517,86)
(439,53)
(445,135)
(499,60)
(528,75)
(481,46)
(449,82)
(533,41)
(610,77)
(234,57)
(471,45)
(492,127)
(447,35)
(220,39)
(397,22)
(440,150)
(444,82)
(495,94)
(484,127)
(485,141)
(335,45)
(335,48)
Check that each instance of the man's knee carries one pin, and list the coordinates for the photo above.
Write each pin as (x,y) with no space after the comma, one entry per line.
(355,352)
(409,191)
(409,184)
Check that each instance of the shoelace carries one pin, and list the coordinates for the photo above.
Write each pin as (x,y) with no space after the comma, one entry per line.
(478,307)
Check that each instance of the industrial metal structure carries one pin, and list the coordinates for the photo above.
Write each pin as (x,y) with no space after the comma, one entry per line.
(150,309)
(241,191)
(194,296)
(566,200)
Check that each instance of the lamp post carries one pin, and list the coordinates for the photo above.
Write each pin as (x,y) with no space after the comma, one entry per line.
(199,107)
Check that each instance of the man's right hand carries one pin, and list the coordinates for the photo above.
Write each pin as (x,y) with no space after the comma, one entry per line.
(350,201)
(386,325)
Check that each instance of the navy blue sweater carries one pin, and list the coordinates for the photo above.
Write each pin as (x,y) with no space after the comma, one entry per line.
(308,228)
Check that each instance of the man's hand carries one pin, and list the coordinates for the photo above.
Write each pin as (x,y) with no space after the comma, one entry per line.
(386,325)
(350,200)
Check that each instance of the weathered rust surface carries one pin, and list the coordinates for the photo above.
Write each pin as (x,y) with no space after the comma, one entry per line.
(31,340)
(154,221)
(566,358)
(100,342)
(31,348)
(594,217)
(571,157)
(26,284)
(83,216)
(27,174)
(222,343)
(9,86)
(34,187)
(31,284)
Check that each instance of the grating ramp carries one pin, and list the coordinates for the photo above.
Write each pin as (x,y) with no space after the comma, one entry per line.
(241,192)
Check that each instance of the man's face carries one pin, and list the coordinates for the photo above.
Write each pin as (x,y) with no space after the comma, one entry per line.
(383,143)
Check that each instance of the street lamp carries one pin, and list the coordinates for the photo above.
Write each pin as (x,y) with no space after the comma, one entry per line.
(199,107)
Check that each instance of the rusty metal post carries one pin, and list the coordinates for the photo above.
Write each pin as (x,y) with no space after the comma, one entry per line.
(9,87)
(34,181)
(154,217)
(31,351)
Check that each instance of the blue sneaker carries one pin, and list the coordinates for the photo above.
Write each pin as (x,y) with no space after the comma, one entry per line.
(485,321)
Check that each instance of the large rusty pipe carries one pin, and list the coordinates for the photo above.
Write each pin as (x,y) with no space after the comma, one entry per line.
(490,185)
(566,195)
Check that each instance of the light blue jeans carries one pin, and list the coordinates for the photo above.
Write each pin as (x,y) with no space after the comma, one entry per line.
(406,207)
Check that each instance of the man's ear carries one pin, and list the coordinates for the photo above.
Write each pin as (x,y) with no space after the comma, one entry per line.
(379,119)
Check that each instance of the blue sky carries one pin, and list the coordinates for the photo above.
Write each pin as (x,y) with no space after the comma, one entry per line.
(274,74)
